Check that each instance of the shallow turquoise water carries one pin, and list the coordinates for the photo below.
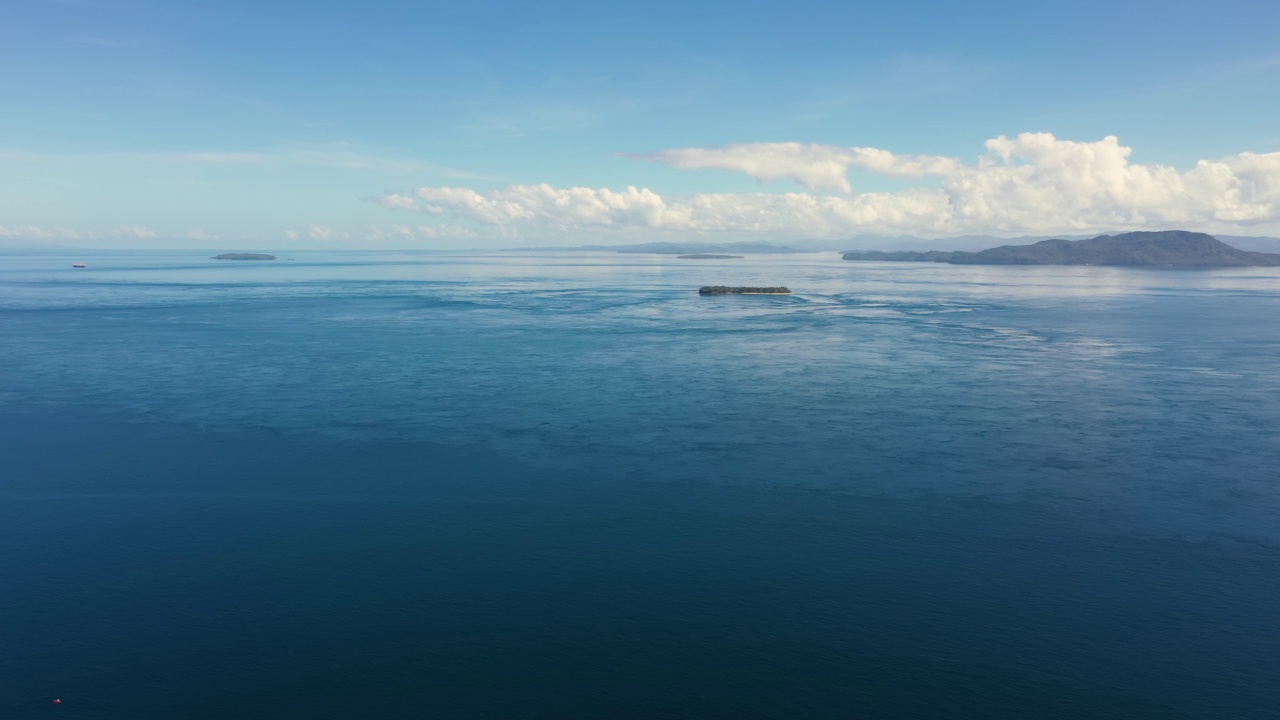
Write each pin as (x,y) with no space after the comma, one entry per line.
(372,485)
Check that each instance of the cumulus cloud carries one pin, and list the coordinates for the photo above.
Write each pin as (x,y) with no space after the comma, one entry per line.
(603,209)
(392,201)
(1036,181)
(569,207)
(813,166)
(1032,183)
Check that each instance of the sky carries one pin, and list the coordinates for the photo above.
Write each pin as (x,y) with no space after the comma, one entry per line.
(243,125)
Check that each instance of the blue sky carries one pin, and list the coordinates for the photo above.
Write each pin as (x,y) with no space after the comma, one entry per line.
(272,124)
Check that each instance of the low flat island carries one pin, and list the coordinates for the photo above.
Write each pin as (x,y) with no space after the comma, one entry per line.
(725,290)
(244,256)
(708,256)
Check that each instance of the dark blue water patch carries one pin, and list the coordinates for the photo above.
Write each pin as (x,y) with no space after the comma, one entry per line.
(264,575)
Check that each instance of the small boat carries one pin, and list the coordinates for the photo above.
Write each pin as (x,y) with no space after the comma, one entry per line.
(78,265)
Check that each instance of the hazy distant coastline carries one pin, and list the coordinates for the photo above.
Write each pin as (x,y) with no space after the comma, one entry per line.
(1174,248)
(868,243)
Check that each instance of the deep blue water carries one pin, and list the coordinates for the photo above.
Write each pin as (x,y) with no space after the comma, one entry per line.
(503,485)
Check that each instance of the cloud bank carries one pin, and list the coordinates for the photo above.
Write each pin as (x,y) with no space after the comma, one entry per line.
(379,234)
(813,166)
(1033,183)
(43,234)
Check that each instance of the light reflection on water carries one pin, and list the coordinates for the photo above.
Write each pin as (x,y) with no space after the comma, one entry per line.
(1040,382)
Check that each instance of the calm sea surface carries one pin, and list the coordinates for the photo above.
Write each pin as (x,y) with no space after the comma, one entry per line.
(566,486)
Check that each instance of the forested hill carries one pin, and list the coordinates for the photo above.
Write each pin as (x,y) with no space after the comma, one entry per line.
(1175,248)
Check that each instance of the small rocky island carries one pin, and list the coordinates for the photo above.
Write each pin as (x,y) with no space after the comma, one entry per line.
(1171,248)
(708,256)
(244,256)
(724,290)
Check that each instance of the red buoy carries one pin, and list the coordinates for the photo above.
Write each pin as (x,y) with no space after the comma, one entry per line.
(57,701)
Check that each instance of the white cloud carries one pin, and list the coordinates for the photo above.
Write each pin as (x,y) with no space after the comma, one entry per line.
(321,232)
(393,201)
(201,235)
(813,166)
(406,233)
(1036,181)
(33,232)
(36,233)
(129,232)
(379,234)
(602,209)
(1032,183)
(568,207)
(446,232)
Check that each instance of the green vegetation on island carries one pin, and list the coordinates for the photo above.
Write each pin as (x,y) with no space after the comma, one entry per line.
(1173,248)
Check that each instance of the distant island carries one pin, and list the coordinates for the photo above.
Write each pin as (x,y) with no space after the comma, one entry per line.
(723,290)
(1173,248)
(708,256)
(244,256)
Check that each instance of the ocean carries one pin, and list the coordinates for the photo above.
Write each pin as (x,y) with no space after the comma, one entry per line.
(564,485)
